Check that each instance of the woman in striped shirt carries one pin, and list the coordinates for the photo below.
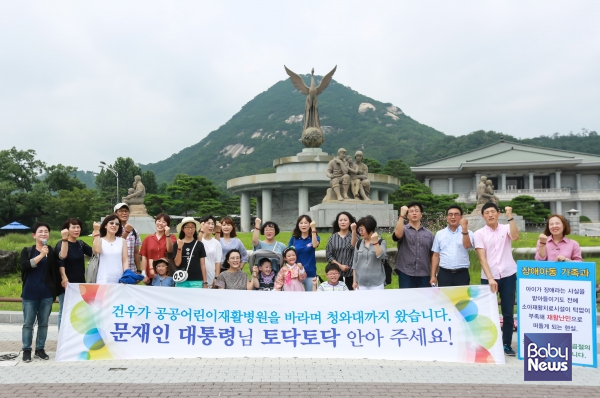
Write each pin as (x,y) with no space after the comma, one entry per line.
(340,247)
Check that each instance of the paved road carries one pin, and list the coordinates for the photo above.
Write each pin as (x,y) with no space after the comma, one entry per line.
(284,389)
(273,376)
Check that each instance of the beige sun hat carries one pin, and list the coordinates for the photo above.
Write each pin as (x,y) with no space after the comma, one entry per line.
(188,220)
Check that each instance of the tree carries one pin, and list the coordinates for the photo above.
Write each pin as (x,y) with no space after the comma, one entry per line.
(530,209)
(374,165)
(77,202)
(61,177)
(156,204)
(20,168)
(399,169)
(432,204)
(190,191)
(149,181)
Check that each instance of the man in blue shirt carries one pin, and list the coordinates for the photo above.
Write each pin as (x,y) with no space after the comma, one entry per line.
(451,251)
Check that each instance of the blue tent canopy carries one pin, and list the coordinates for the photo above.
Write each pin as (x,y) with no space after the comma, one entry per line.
(15,226)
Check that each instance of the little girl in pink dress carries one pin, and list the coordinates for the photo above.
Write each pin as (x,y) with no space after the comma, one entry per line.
(291,275)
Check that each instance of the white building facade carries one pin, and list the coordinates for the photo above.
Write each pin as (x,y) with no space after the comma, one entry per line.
(562,180)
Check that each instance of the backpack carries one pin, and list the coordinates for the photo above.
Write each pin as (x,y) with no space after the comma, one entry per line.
(386,266)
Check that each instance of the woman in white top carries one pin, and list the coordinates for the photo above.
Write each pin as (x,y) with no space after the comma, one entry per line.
(112,250)
(212,247)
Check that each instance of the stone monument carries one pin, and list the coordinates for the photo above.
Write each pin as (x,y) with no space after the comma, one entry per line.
(484,194)
(312,135)
(299,182)
(138,215)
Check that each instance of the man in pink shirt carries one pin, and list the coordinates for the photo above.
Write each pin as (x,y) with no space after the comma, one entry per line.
(493,244)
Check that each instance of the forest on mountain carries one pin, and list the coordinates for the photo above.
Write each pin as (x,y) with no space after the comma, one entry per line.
(270,125)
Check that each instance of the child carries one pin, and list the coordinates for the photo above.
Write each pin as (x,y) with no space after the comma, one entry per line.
(332,284)
(266,277)
(291,275)
(161,268)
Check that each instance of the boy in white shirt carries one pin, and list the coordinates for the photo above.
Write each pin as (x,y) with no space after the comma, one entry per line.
(332,284)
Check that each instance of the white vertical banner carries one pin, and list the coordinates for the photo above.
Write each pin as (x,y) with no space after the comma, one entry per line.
(559,297)
(457,324)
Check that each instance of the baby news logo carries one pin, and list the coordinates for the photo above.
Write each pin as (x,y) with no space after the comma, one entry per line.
(548,357)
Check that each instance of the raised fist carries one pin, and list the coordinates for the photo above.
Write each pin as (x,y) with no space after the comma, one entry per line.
(202,227)
(64,233)
(374,237)
(218,227)
(179,244)
(543,239)
(167,230)
(508,211)
(313,225)
(464,223)
(255,269)
(403,211)
(300,265)
(353,227)
(257,222)
(96,227)
(315,280)
(128,228)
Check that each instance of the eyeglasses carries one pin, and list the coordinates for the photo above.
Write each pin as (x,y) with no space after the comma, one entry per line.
(450,215)
(114,223)
(190,227)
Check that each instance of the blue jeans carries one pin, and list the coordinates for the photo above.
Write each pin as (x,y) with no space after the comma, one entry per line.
(308,284)
(507,288)
(61,301)
(410,282)
(32,310)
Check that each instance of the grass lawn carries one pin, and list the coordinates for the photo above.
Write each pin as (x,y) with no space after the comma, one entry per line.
(10,285)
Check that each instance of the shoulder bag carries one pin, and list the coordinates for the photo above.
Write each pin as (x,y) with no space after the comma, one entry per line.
(181,275)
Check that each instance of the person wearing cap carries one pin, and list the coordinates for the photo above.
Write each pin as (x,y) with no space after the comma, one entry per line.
(189,250)
(161,269)
(157,245)
(130,235)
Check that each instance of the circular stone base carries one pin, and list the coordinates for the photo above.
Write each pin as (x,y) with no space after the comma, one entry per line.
(312,137)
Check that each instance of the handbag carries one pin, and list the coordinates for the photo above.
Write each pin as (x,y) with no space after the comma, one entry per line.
(181,275)
(91,273)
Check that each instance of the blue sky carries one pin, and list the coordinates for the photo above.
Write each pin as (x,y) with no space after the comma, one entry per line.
(89,81)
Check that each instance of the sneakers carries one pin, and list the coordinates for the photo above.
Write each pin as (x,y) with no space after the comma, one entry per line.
(509,351)
(41,354)
(27,356)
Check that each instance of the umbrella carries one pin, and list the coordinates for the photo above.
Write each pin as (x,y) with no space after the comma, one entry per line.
(15,226)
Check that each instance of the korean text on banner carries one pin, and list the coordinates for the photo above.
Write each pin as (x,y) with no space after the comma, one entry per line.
(458,324)
(559,297)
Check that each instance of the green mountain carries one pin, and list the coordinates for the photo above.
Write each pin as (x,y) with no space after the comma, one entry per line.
(270,126)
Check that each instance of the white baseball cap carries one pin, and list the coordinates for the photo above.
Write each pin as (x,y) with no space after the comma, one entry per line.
(120,205)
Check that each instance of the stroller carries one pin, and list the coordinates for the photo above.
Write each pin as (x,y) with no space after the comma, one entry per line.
(262,253)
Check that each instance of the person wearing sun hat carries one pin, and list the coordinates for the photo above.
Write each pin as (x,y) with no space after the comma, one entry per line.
(189,250)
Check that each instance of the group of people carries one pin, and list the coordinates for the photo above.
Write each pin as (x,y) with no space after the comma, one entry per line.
(210,255)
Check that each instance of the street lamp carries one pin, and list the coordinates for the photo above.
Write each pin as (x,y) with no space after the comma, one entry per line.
(104,165)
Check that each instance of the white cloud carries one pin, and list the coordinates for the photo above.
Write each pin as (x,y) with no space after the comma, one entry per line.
(89,81)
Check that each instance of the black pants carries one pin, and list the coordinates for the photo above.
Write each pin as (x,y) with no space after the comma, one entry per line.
(507,288)
(348,280)
(458,277)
